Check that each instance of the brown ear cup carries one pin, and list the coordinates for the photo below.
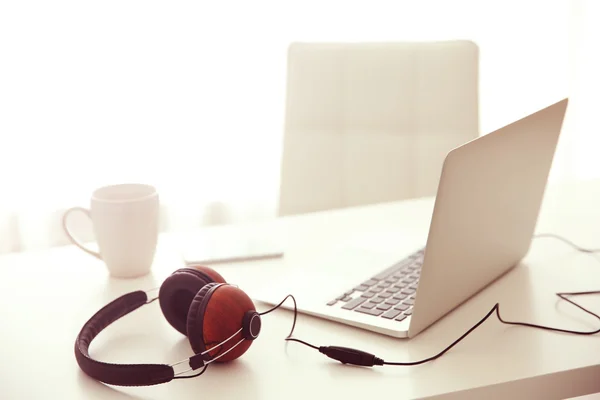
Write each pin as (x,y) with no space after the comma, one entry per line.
(179,289)
(211,273)
(216,313)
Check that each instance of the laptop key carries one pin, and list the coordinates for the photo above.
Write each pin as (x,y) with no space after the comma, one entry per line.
(369,304)
(353,303)
(332,303)
(383,307)
(392,289)
(387,272)
(361,288)
(392,301)
(372,311)
(391,314)
(400,296)
(370,282)
(385,295)
(402,307)
(377,300)
(367,295)
(401,318)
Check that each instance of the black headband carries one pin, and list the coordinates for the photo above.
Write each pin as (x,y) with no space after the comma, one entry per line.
(118,374)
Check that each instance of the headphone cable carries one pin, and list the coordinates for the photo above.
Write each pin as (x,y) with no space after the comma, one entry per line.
(352,356)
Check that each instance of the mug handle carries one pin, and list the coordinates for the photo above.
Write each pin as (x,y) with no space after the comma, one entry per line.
(73,240)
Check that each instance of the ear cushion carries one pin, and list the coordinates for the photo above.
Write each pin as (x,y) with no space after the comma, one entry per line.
(178,290)
(215,314)
(195,319)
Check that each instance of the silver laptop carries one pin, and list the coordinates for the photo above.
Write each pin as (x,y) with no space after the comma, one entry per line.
(485,212)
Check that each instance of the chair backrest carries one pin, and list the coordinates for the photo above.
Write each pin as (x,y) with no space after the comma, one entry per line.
(373,122)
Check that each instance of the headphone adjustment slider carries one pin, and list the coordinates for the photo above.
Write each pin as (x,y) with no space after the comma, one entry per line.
(151,299)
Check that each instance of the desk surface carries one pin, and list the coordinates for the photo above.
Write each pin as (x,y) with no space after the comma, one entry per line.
(46,296)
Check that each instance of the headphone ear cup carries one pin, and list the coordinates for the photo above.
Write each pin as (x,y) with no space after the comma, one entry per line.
(179,289)
(216,313)
(213,275)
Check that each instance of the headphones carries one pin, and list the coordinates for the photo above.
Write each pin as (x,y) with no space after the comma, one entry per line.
(219,320)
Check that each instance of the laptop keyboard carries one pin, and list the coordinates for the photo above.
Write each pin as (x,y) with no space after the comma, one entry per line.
(390,294)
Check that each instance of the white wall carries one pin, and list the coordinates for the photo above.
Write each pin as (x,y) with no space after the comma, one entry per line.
(584,128)
(188,95)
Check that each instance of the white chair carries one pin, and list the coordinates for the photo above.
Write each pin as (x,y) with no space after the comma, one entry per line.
(372,122)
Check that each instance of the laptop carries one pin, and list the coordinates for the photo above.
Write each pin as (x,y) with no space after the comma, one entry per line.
(483,220)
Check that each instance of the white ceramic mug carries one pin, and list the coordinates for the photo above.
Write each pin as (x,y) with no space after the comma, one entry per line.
(125,221)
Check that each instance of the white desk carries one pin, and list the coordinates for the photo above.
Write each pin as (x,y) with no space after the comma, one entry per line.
(46,296)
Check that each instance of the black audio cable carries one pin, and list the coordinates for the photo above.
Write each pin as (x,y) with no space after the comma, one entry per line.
(352,356)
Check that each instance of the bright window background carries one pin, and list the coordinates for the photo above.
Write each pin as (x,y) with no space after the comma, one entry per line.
(189,95)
